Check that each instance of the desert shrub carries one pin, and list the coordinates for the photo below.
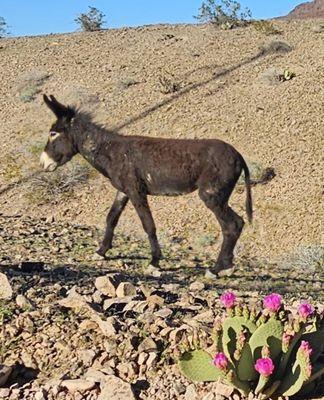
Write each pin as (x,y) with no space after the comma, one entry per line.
(305,258)
(256,169)
(275,47)
(91,21)
(264,351)
(318,28)
(273,76)
(11,168)
(30,84)
(266,27)
(168,84)
(224,13)
(125,83)
(3,27)
(47,187)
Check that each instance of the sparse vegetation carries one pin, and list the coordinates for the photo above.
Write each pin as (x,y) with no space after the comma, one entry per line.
(91,21)
(274,76)
(46,187)
(11,169)
(125,83)
(29,85)
(266,27)
(168,83)
(3,27)
(306,258)
(226,14)
(276,47)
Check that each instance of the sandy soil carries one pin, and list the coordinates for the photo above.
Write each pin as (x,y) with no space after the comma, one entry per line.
(222,94)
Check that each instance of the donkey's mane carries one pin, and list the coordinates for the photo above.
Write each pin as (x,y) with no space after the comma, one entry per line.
(87,121)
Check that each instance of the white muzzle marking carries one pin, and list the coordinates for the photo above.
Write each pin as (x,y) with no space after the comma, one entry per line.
(47,162)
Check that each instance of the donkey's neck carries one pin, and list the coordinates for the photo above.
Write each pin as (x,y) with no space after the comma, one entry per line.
(91,139)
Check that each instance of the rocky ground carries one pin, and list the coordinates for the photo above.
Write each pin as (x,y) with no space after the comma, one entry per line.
(74,327)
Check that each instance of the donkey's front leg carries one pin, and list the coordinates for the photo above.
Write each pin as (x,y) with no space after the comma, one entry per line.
(143,210)
(112,219)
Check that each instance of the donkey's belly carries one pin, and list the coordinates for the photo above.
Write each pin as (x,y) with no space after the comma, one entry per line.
(170,190)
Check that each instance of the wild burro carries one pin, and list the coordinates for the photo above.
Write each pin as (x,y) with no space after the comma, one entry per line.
(140,166)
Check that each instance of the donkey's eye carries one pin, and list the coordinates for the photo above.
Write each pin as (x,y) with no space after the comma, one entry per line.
(53,134)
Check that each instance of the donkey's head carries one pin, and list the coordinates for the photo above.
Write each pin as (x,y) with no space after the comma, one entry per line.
(60,147)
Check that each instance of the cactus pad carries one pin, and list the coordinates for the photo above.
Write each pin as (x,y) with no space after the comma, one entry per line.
(198,366)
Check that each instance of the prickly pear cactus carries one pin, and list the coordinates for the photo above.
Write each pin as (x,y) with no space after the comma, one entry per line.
(296,376)
(275,353)
(198,366)
(231,329)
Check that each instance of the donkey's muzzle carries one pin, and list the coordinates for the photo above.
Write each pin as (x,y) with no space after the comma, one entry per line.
(47,162)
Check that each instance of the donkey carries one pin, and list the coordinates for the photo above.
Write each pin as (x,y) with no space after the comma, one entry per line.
(139,166)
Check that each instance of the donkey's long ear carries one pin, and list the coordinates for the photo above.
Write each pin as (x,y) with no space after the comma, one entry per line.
(58,109)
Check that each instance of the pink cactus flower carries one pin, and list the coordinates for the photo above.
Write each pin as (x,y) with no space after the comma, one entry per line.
(264,366)
(228,299)
(305,347)
(272,302)
(305,310)
(220,361)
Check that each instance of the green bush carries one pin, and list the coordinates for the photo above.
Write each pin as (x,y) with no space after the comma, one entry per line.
(3,27)
(226,14)
(91,21)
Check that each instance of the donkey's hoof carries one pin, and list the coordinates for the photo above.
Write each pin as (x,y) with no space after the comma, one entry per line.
(209,274)
(101,252)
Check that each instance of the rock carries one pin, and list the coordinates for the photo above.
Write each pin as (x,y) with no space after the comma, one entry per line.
(77,385)
(154,299)
(108,284)
(148,345)
(4,393)
(236,396)
(5,372)
(155,272)
(223,389)
(191,393)
(197,286)
(94,375)
(40,395)
(77,302)
(125,289)
(142,358)
(178,388)
(152,359)
(87,356)
(23,303)
(120,301)
(208,396)
(5,288)
(164,313)
(116,389)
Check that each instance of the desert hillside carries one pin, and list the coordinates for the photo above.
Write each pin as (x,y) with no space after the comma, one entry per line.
(75,326)
(312,9)
(182,81)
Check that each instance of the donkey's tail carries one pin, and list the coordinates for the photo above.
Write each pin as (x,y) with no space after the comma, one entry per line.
(248,184)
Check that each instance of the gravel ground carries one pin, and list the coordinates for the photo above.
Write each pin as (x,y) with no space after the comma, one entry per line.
(59,291)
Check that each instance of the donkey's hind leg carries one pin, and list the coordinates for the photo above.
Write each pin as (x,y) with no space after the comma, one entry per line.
(142,208)
(112,219)
(216,199)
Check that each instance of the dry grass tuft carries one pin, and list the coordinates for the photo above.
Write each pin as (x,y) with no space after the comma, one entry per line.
(48,187)
(266,27)
(29,84)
